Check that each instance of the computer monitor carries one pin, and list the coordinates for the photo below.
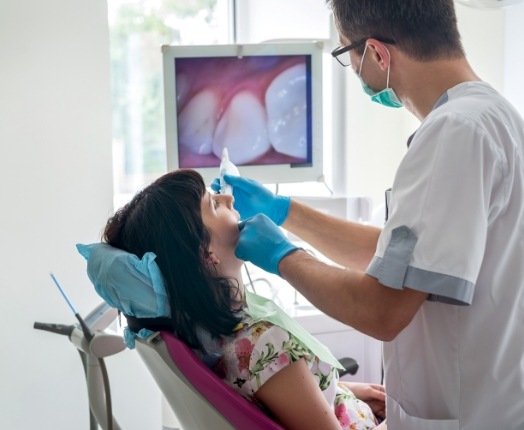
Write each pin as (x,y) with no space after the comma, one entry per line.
(261,101)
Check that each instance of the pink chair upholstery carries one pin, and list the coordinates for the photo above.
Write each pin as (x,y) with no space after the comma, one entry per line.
(236,409)
(209,402)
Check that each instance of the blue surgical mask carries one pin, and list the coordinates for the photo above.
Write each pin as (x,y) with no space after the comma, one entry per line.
(386,97)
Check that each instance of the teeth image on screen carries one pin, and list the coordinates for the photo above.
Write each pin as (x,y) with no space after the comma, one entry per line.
(183,86)
(198,122)
(257,109)
(286,106)
(242,129)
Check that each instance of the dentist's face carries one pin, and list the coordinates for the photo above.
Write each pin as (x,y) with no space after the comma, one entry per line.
(221,220)
(366,71)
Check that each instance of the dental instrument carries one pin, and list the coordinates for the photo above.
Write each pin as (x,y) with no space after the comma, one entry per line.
(226,168)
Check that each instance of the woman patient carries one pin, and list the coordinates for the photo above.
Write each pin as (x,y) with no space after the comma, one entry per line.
(193,234)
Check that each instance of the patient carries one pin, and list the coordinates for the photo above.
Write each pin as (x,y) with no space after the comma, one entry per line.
(193,234)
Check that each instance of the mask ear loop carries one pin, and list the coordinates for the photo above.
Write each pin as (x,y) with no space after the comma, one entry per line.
(389,68)
(362,61)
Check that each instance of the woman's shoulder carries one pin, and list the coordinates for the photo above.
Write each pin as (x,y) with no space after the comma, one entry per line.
(262,344)
(261,332)
(250,335)
(256,351)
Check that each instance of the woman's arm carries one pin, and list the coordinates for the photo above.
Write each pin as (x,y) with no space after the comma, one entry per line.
(295,399)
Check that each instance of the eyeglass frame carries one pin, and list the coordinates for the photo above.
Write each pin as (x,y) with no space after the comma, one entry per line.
(342,49)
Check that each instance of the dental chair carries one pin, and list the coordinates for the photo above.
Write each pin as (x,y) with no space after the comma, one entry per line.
(199,399)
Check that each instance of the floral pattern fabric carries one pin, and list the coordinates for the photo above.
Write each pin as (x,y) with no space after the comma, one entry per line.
(258,350)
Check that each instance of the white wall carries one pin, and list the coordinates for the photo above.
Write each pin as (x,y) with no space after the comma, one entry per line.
(55,190)
(514,56)
(482,32)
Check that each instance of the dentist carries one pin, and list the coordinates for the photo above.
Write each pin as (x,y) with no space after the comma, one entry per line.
(442,284)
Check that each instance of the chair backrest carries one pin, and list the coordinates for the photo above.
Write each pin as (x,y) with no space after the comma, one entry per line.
(199,398)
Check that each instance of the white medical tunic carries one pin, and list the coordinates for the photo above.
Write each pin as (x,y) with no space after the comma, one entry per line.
(456,231)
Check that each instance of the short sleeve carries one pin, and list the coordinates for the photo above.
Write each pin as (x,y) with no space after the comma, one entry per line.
(257,352)
(275,349)
(442,200)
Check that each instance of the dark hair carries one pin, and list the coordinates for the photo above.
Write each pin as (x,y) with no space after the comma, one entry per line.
(165,218)
(424,30)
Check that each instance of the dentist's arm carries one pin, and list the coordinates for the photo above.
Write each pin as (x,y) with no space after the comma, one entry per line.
(347,243)
(352,296)
(348,295)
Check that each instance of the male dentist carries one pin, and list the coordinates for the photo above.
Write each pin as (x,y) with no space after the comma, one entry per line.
(443,283)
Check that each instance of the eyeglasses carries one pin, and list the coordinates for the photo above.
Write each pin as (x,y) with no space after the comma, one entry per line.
(345,60)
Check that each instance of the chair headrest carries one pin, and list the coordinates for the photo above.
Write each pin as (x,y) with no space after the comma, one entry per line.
(130,284)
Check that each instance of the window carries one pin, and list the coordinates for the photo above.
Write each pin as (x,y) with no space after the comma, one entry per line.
(138,28)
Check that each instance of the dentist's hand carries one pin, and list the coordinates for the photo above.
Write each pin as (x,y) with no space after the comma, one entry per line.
(252,198)
(263,243)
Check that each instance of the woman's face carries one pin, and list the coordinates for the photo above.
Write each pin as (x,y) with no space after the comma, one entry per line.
(221,220)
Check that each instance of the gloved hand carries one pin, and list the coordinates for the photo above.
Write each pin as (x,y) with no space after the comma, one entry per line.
(252,198)
(263,243)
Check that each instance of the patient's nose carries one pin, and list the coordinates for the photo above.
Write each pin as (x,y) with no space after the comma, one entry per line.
(226,199)
(229,201)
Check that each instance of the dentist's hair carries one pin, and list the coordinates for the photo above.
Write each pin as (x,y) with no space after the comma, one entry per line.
(424,30)
(165,218)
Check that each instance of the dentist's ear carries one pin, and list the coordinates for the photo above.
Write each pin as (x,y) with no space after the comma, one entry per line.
(379,52)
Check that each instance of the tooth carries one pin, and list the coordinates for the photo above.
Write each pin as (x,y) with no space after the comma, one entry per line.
(183,85)
(242,129)
(286,106)
(196,123)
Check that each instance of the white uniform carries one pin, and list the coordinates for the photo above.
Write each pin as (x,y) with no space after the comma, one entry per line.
(456,231)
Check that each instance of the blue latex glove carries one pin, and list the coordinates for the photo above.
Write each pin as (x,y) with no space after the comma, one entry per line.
(252,198)
(215,185)
(263,243)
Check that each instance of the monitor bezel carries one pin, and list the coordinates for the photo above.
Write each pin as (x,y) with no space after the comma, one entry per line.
(268,174)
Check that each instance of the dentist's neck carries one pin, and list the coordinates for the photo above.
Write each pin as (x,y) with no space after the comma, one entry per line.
(423,83)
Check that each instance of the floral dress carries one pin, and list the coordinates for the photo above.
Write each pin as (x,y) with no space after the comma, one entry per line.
(258,350)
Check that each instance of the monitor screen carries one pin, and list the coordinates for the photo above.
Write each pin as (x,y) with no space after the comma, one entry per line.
(262,102)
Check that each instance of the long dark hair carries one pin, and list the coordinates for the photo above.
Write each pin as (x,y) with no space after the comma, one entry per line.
(165,218)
